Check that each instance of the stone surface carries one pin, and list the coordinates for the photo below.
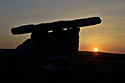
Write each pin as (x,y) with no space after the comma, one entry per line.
(55,50)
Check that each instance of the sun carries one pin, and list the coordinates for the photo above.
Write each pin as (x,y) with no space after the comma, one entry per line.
(95,50)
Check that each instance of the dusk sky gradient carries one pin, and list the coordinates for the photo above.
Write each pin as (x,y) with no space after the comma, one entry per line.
(109,36)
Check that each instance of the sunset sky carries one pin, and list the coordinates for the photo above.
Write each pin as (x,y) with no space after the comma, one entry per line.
(109,36)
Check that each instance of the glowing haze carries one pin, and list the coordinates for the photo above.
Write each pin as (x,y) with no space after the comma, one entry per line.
(109,36)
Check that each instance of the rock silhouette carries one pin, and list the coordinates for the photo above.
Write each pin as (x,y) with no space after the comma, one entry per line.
(59,25)
(56,48)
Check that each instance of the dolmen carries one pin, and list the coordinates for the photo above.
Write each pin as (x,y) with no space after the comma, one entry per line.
(54,45)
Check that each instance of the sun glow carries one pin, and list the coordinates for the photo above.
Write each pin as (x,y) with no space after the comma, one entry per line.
(95,50)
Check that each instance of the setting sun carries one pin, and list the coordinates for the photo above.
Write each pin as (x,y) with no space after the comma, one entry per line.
(95,49)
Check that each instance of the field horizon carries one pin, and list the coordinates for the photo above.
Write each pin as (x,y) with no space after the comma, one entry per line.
(7,49)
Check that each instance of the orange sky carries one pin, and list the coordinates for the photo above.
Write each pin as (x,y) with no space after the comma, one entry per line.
(109,36)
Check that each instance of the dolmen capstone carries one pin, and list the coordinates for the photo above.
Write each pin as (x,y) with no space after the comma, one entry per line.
(55,44)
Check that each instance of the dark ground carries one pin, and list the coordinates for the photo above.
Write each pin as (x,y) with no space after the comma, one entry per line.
(88,67)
